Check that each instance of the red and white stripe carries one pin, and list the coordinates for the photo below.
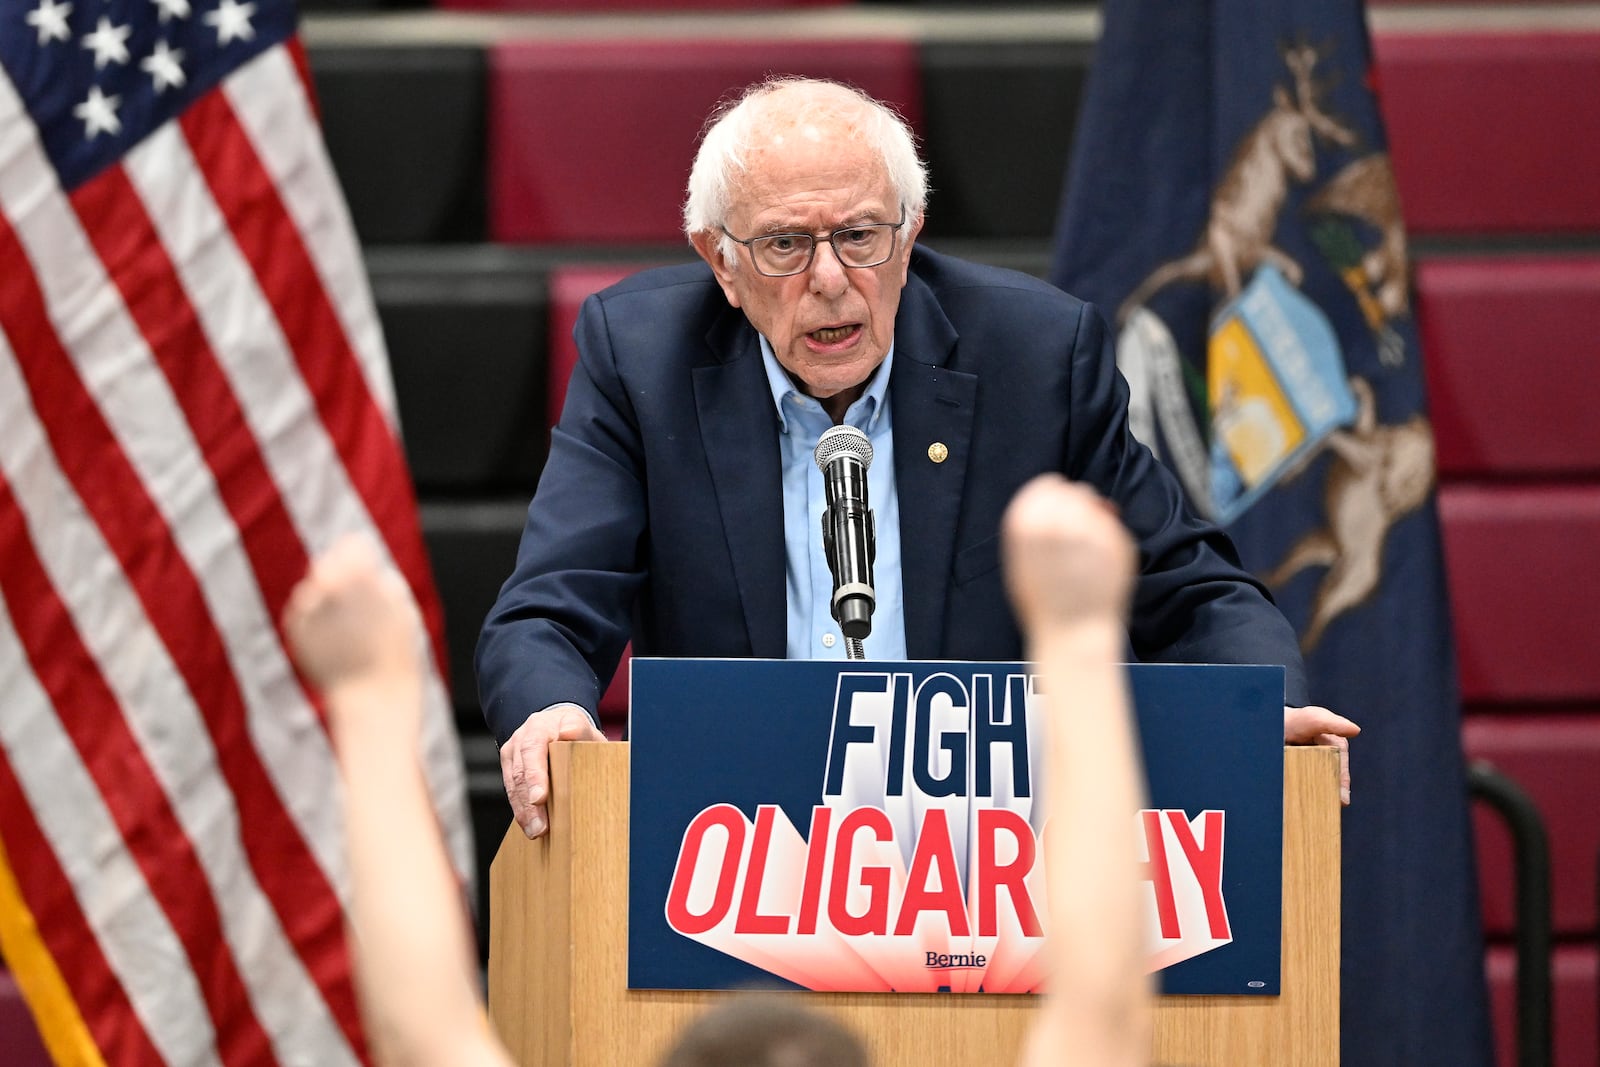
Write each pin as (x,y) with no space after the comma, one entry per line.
(194,401)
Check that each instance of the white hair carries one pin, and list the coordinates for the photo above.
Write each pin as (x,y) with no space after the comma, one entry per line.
(732,129)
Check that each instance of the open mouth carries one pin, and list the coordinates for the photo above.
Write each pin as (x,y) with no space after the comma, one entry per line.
(832,335)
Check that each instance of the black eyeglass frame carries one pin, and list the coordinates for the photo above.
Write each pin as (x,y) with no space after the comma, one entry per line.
(749,242)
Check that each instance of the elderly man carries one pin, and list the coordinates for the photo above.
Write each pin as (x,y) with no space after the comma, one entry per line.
(680,507)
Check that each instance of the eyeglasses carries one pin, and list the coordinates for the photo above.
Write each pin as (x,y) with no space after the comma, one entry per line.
(778,255)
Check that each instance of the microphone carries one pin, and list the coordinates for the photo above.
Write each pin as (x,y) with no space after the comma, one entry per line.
(849,538)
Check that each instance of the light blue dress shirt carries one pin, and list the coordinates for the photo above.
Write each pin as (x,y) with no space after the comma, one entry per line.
(812,632)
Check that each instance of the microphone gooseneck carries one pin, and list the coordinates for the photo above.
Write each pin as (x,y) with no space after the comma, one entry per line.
(849,538)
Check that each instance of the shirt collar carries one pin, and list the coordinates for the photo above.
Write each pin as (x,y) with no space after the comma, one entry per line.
(863,417)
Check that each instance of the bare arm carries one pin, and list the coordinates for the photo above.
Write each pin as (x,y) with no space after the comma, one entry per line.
(1069,568)
(355,636)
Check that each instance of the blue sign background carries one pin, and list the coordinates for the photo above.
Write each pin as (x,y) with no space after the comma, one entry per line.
(749,732)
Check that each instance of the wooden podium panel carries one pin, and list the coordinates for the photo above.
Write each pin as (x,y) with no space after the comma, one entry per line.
(558,951)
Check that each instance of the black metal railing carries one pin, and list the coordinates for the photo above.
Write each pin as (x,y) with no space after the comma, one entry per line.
(1531,870)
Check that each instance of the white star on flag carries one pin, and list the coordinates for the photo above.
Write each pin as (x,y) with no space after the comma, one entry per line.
(108,42)
(50,19)
(195,401)
(99,114)
(232,20)
(172,8)
(165,67)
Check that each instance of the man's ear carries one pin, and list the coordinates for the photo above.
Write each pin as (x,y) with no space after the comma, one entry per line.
(706,244)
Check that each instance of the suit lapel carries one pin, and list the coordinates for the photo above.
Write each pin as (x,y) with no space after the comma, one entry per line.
(931,405)
(737,430)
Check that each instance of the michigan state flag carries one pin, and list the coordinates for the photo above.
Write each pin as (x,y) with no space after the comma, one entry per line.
(1230,204)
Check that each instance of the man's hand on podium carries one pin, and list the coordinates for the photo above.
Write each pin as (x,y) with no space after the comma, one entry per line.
(525,760)
(1319,726)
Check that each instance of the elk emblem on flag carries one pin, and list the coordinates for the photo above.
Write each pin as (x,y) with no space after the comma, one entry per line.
(1277,390)
(1231,195)
(194,401)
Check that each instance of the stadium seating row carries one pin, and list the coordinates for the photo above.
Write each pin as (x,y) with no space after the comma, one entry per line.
(587,141)
(1553,755)
(1489,136)
(1572,987)
(486,329)
(1492,132)
(1509,341)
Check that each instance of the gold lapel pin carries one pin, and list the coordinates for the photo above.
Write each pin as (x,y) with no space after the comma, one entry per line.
(938,452)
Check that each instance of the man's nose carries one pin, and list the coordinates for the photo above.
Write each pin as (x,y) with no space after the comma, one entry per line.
(827,271)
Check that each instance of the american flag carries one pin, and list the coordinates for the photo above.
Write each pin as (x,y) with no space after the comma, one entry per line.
(194,401)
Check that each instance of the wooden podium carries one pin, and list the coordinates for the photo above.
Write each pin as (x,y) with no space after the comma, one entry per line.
(558,951)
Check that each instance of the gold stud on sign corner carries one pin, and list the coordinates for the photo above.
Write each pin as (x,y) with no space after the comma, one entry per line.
(938,452)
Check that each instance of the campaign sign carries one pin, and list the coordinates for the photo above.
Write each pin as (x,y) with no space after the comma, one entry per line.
(880,827)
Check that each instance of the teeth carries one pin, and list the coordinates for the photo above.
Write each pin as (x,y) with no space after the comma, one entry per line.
(831,334)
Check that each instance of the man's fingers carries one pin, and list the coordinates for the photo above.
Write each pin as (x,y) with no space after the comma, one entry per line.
(525,761)
(532,821)
(525,770)
(1343,745)
(527,805)
(1302,726)
(576,725)
(1318,726)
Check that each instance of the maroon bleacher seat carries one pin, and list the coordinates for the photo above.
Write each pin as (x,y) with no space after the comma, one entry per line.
(1493,132)
(1511,346)
(569,286)
(1572,992)
(19,1038)
(1525,589)
(614,701)
(1553,757)
(591,140)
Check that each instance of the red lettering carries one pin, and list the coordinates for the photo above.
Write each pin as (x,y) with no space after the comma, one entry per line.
(1158,875)
(1206,863)
(992,875)
(679,917)
(750,920)
(934,851)
(816,858)
(875,920)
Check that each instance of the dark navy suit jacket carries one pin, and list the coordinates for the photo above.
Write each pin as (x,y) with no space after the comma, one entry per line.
(659,515)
